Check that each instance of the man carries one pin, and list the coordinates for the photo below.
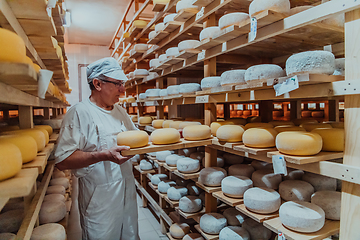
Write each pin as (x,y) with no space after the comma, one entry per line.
(87,143)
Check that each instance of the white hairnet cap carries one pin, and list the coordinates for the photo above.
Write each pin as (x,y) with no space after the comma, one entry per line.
(108,67)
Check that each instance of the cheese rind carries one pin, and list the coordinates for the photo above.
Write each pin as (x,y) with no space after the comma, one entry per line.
(166,123)
(163,93)
(182,125)
(210,82)
(190,204)
(141,72)
(256,230)
(208,33)
(49,231)
(258,125)
(232,76)
(280,6)
(153,63)
(212,176)
(161,156)
(296,190)
(169,18)
(7,236)
(56,189)
(259,137)
(299,143)
(230,19)
(193,236)
(186,5)
(330,202)
(196,132)
(263,71)
(26,144)
(262,200)
(159,27)
(235,186)
(10,221)
(10,160)
(234,233)
(165,136)
(234,217)
(55,197)
(133,139)
(173,89)
(12,47)
(140,47)
(241,170)
(52,212)
(164,185)
(230,133)
(152,35)
(145,119)
(172,52)
(157,123)
(188,165)
(212,223)
(189,87)
(179,230)
(145,165)
(333,139)
(266,178)
(162,58)
(232,159)
(320,182)
(188,45)
(60,181)
(176,192)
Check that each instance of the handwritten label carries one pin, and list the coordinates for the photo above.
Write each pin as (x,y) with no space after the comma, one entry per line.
(253,29)
(200,13)
(289,85)
(201,55)
(279,164)
(202,99)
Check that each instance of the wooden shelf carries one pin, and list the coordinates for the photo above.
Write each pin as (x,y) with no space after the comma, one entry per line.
(229,201)
(196,215)
(187,176)
(167,167)
(39,162)
(20,185)
(135,55)
(171,203)
(153,187)
(322,156)
(171,26)
(208,189)
(53,138)
(47,150)
(183,16)
(330,228)
(3,201)
(256,216)
(188,53)
(18,75)
(143,172)
(252,150)
(158,7)
(205,235)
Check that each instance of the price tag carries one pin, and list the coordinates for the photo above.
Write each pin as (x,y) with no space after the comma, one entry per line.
(289,85)
(202,99)
(281,236)
(200,13)
(279,164)
(253,29)
(201,55)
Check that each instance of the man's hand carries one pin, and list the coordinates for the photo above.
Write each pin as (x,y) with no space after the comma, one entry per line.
(114,154)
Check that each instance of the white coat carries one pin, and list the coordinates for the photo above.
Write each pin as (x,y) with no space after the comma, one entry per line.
(107,196)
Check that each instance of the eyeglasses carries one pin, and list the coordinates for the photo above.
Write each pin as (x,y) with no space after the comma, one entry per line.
(117,84)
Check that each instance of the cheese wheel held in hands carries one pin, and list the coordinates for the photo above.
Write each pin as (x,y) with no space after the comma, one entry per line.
(133,139)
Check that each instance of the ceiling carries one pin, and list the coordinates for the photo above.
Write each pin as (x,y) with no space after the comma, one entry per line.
(94,22)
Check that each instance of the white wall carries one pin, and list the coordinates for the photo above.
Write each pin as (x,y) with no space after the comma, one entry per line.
(81,54)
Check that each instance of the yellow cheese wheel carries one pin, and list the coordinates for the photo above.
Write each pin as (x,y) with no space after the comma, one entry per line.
(258,125)
(299,143)
(12,47)
(337,124)
(311,126)
(133,139)
(36,67)
(165,136)
(187,123)
(215,126)
(166,123)
(26,144)
(289,128)
(281,123)
(46,134)
(298,122)
(37,134)
(333,139)
(230,133)
(9,128)
(140,23)
(157,123)
(175,124)
(126,34)
(10,160)
(145,120)
(48,128)
(29,61)
(196,132)
(259,137)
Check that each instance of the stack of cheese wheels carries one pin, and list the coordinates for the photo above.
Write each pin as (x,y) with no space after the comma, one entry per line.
(187,6)
(10,160)
(190,204)
(299,143)
(49,231)
(157,123)
(133,139)
(209,33)
(212,223)
(196,132)
(52,212)
(11,220)
(235,186)
(165,136)
(179,230)
(163,93)
(152,35)
(302,216)
(298,122)
(166,123)
(230,133)
(330,202)
(63,181)
(333,139)
(256,230)
(153,63)
(172,52)
(234,217)
(262,72)
(145,120)
(258,125)
(169,18)
(173,90)
(262,200)
(210,82)
(266,178)
(241,170)
(57,189)
(189,88)
(188,45)
(296,190)
(212,176)
(259,137)
(182,125)
(280,6)
(230,19)
(140,47)
(26,144)
(39,135)
(162,58)
(12,47)
(289,128)
(141,73)
(233,76)
(188,165)
(313,62)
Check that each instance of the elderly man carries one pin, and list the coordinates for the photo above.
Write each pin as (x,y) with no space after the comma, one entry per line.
(87,144)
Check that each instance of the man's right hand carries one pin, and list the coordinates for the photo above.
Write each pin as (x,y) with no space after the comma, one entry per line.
(114,154)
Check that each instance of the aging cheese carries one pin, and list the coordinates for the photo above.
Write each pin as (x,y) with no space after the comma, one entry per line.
(320,182)
(188,165)
(50,231)
(233,76)
(189,88)
(153,63)
(190,204)
(37,134)
(187,151)
(152,35)
(162,58)
(186,5)
(193,189)
(231,159)
(215,126)
(257,165)
(159,27)
(179,230)
(56,189)
(140,47)
(256,230)
(298,122)
(172,52)
(317,114)
(176,192)
(235,186)
(208,33)
(10,160)
(230,19)
(263,71)
(262,200)
(296,190)
(165,136)
(234,217)
(52,212)
(140,23)
(219,161)
(197,155)
(48,128)
(182,125)
(289,129)
(212,223)
(258,125)
(241,170)
(188,45)
(169,18)
(157,123)
(234,233)
(7,236)
(259,137)
(175,124)
(26,144)
(145,165)
(330,202)
(173,89)
(142,95)
(193,236)
(60,181)
(161,156)
(152,92)
(280,6)
(12,47)
(266,178)
(196,132)
(164,185)
(133,139)
(299,143)
(157,178)
(145,120)
(10,221)
(230,133)
(210,82)
(163,93)
(333,139)
(293,174)
(212,176)
(54,197)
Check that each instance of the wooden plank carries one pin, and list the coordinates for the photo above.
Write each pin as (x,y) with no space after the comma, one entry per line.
(202,3)
(158,7)
(184,15)
(38,27)
(256,216)
(207,44)
(35,9)
(208,189)
(53,137)
(229,201)
(231,32)
(135,55)
(20,185)
(155,148)
(167,167)
(39,162)
(172,203)
(188,53)
(322,156)
(3,201)
(230,145)
(47,150)
(252,150)
(153,187)
(205,235)
(330,228)
(171,26)
(173,60)
(187,176)
(41,42)
(15,74)
(143,172)
(190,215)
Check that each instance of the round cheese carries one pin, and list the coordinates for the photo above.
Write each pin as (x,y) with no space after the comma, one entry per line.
(190,204)
(175,124)
(169,18)
(131,75)
(312,62)
(330,202)
(197,155)
(230,133)
(212,223)
(215,126)
(210,82)
(234,233)
(179,230)
(57,174)
(26,144)
(51,212)
(142,95)
(231,159)
(166,123)
(257,165)
(145,165)
(162,58)
(266,178)
(280,129)
(299,143)
(258,6)
(258,125)
(259,137)
(50,231)
(172,159)
(55,197)
(157,123)
(188,45)
(234,217)
(187,165)
(141,72)
(189,87)
(233,76)
(302,216)
(296,190)
(133,139)
(140,23)
(10,160)
(56,189)
(256,230)
(7,236)
(294,174)
(165,136)
(196,132)
(182,125)
(134,118)
(219,161)
(48,128)
(320,182)
(161,156)
(333,139)
(152,35)
(235,186)
(263,71)
(193,189)
(337,124)
(298,122)
(152,92)
(163,93)
(153,63)
(241,170)
(140,47)
(230,19)
(186,5)
(193,236)
(176,192)
(209,32)
(10,221)
(157,178)
(262,200)
(164,185)
(12,47)
(173,89)
(187,151)
(172,52)
(145,120)
(212,176)
(37,134)
(60,181)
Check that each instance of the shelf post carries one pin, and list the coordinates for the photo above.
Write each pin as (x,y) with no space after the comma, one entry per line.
(26,117)
(295,109)
(54,112)
(265,110)
(333,110)
(160,109)
(6,114)
(46,113)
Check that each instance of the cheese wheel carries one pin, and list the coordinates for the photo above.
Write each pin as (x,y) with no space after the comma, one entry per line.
(193,236)
(234,232)
(256,230)
(157,178)
(141,72)
(210,82)
(7,236)
(189,87)
(235,186)
(140,23)
(234,217)
(182,125)
(60,181)
(280,6)
(312,62)
(164,185)
(212,223)
(187,151)
(241,170)
(212,176)
(231,159)
(263,71)
(230,133)
(175,124)
(37,134)
(46,134)
(133,138)
(56,189)
(10,160)
(173,90)
(179,230)
(162,58)
(209,32)
(262,200)
(190,204)
(330,202)
(298,122)
(257,165)
(230,19)
(12,47)
(163,93)
(140,47)
(176,192)
(299,143)
(159,27)
(215,126)
(233,76)
(296,190)
(142,96)
(258,125)
(152,35)
(187,165)
(197,155)
(259,137)
(48,128)
(153,63)
(171,160)
(10,221)
(266,178)
(172,52)
(161,156)
(293,174)
(51,212)
(50,231)
(196,132)
(145,120)
(165,136)
(280,129)
(187,6)
(55,197)
(333,139)
(169,18)
(302,216)
(157,123)
(306,114)
(131,74)
(320,182)
(166,123)
(26,144)
(188,45)
(145,165)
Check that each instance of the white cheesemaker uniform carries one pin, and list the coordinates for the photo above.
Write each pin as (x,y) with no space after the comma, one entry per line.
(107,196)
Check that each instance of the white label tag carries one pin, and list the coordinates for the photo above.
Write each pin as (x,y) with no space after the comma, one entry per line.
(201,55)
(200,13)
(202,99)
(224,47)
(253,29)
(281,236)
(279,164)
(181,27)
(289,85)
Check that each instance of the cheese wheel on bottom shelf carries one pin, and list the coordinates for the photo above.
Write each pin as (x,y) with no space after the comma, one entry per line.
(188,45)
(231,159)
(7,236)
(56,189)
(133,139)
(235,186)
(280,6)
(210,82)
(60,181)
(165,136)
(333,139)
(259,137)
(234,217)
(263,71)
(296,190)
(330,202)
(212,176)
(49,231)
(266,178)
(55,197)
(320,182)
(179,230)
(230,133)
(256,230)
(299,143)
(10,221)
(10,160)
(196,132)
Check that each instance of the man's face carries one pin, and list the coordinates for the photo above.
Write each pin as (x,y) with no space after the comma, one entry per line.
(111,90)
